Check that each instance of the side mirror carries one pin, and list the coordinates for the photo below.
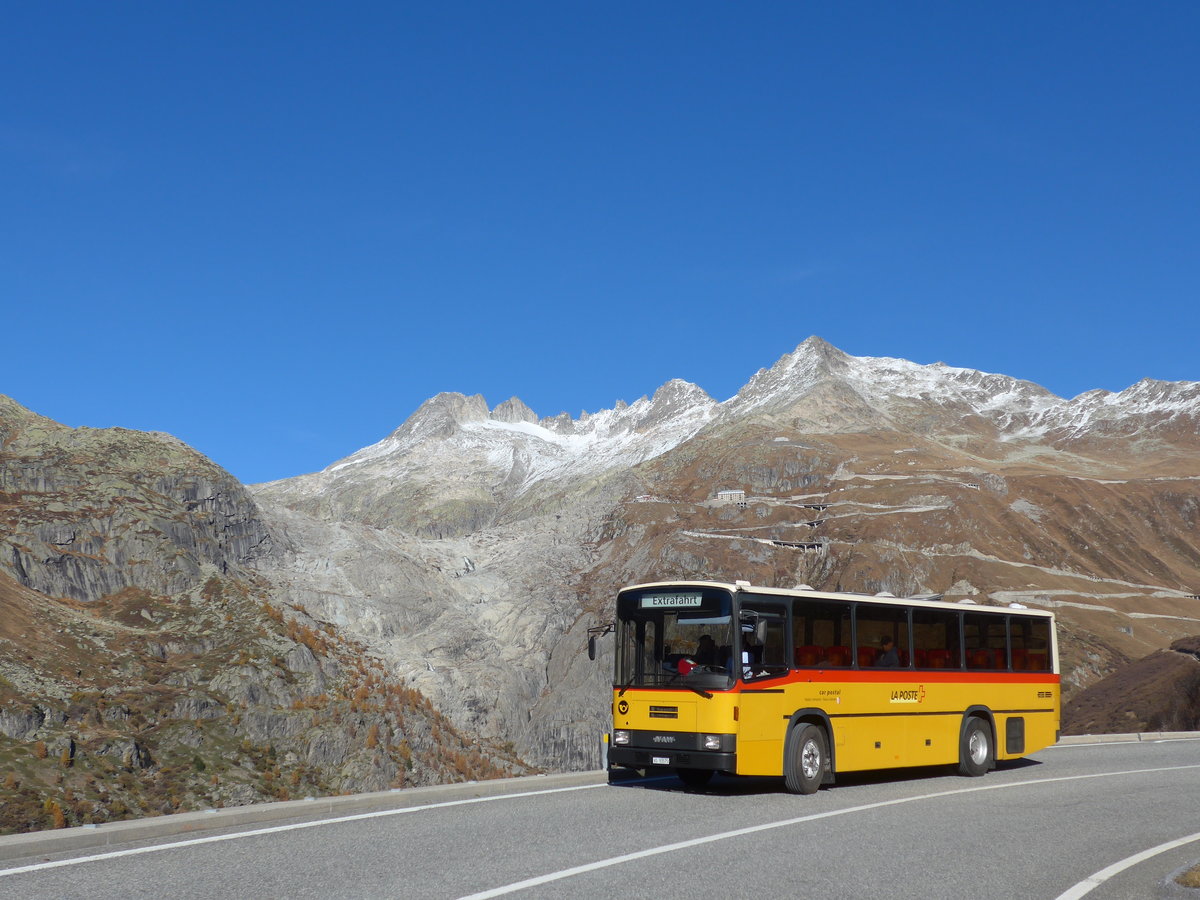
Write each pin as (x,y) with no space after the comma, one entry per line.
(595,632)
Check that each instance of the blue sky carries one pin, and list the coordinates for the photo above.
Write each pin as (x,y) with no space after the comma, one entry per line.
(274,229)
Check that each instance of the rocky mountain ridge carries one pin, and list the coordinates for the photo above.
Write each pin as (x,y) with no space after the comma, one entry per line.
(864,393)
(146,668)
(469,551)
(927,478)
(479,461)
(88,512)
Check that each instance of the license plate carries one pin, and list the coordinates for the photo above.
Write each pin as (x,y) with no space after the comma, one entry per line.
(661,760)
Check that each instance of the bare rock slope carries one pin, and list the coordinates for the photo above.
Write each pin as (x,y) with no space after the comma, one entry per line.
(418,611)
(473,547)
(87,512)
(145,668)
(1160,692)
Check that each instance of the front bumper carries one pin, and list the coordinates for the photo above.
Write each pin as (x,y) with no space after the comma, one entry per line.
(649,758)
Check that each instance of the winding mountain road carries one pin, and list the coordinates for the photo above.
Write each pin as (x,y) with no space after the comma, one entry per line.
(1101,821)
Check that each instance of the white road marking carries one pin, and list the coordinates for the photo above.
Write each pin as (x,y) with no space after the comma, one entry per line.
(295,826)
(768,826)
(1175,740)
(1094,881)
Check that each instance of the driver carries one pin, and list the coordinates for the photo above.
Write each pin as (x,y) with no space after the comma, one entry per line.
(706,651)
(705,655)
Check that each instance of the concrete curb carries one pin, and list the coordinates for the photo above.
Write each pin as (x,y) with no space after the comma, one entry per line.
(43,843)
(1145,736)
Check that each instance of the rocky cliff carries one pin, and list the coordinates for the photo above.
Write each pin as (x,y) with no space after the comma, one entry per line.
(473,547)
(87,512)
(144,668)
(462,558)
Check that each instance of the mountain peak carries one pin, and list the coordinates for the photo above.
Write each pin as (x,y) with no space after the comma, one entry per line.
(438,417)
(677,390)
(677,400)
(793,375)
(513,410)
(815,345)
(14,418)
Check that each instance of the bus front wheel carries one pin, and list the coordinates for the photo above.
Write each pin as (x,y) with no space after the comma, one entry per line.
(804,759)
(975,749)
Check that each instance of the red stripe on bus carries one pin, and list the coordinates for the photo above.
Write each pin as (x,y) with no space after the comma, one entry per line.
(890,676)
(905,676)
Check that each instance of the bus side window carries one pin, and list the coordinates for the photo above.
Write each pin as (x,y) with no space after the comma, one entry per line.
(874,625)
(1029,638)
(986,640)
(935,638)
(820,633)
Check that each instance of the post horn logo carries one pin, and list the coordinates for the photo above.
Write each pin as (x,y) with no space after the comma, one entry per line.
(623,707)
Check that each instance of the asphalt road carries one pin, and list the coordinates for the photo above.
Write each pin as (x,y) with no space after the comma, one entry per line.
(1045,827)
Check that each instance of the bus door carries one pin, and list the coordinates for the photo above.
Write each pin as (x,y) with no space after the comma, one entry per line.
(760,663)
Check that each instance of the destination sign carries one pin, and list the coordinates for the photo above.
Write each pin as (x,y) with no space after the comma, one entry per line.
(671,601)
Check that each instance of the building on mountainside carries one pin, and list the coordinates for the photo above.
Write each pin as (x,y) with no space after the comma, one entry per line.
(736,496)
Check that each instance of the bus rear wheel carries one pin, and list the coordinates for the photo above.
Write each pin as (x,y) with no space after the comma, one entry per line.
(804,759)
(975,749)
(695,778)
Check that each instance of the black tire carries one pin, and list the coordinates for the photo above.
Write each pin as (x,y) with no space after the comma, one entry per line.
(805,759)
(975,749)
(694,778)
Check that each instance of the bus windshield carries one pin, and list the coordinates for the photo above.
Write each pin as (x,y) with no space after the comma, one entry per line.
(674,637)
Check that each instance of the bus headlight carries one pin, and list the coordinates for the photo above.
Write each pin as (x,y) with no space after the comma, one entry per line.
(712,742)
(620,737)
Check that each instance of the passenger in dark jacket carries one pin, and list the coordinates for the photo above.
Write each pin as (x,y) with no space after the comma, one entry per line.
(888,656)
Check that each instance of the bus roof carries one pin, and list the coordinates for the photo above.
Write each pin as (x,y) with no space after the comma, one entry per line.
(927,601)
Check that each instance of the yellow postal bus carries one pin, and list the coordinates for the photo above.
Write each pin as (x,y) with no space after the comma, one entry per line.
(714,677)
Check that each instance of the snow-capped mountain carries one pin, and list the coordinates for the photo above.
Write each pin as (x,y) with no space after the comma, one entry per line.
(457,460)
(507,451)
(472,547)
(459,464)
(512,439)
(819,385)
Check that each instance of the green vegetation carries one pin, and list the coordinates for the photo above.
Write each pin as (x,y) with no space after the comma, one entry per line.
(213,698)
